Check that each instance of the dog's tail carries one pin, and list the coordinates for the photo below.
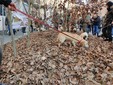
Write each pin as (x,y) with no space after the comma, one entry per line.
(84,35)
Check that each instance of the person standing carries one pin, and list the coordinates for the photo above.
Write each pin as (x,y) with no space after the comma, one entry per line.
(8,27)
(96,24)
(108,23)
(24,27)
(88,20)
(11,6)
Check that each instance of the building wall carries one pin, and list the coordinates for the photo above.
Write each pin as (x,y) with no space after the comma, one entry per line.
(20,6)
(2,10)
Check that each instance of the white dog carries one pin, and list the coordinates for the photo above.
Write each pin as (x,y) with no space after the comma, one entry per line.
(60,28)
(76,39)
(84,35)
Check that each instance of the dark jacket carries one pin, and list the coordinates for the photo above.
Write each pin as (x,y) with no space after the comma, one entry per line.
(107,28)
(96,21)
(109,17)
(5,2)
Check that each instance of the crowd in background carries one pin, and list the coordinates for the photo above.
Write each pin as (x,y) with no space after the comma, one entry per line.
(86,18)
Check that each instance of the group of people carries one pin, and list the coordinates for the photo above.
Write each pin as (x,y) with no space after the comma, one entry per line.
(87,18)
(23,27)
(92,21)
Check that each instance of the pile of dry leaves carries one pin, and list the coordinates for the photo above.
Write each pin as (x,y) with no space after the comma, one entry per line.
(44,63)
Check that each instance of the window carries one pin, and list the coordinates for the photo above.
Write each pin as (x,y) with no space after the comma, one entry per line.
(2,10)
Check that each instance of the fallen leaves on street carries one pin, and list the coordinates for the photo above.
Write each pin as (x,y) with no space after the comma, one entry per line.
(44,63)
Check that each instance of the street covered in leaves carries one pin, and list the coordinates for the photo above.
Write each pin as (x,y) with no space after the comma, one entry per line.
(44,63)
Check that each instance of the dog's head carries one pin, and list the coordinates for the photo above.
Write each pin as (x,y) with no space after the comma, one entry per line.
(84,43)
(60,28)
(84,35)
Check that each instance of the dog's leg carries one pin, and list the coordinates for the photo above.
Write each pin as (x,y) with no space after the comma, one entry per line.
(73,42)
(58,40)
(59,44)
(61,40)
(69,44)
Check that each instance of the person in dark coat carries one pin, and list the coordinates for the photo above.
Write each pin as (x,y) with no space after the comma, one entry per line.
(10,5)
(108,23)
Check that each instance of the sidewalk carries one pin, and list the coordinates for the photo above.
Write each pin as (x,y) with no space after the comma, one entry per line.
(6,38)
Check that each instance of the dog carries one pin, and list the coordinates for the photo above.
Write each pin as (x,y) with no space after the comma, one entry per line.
(60,28)
(77,39)
(84,35)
